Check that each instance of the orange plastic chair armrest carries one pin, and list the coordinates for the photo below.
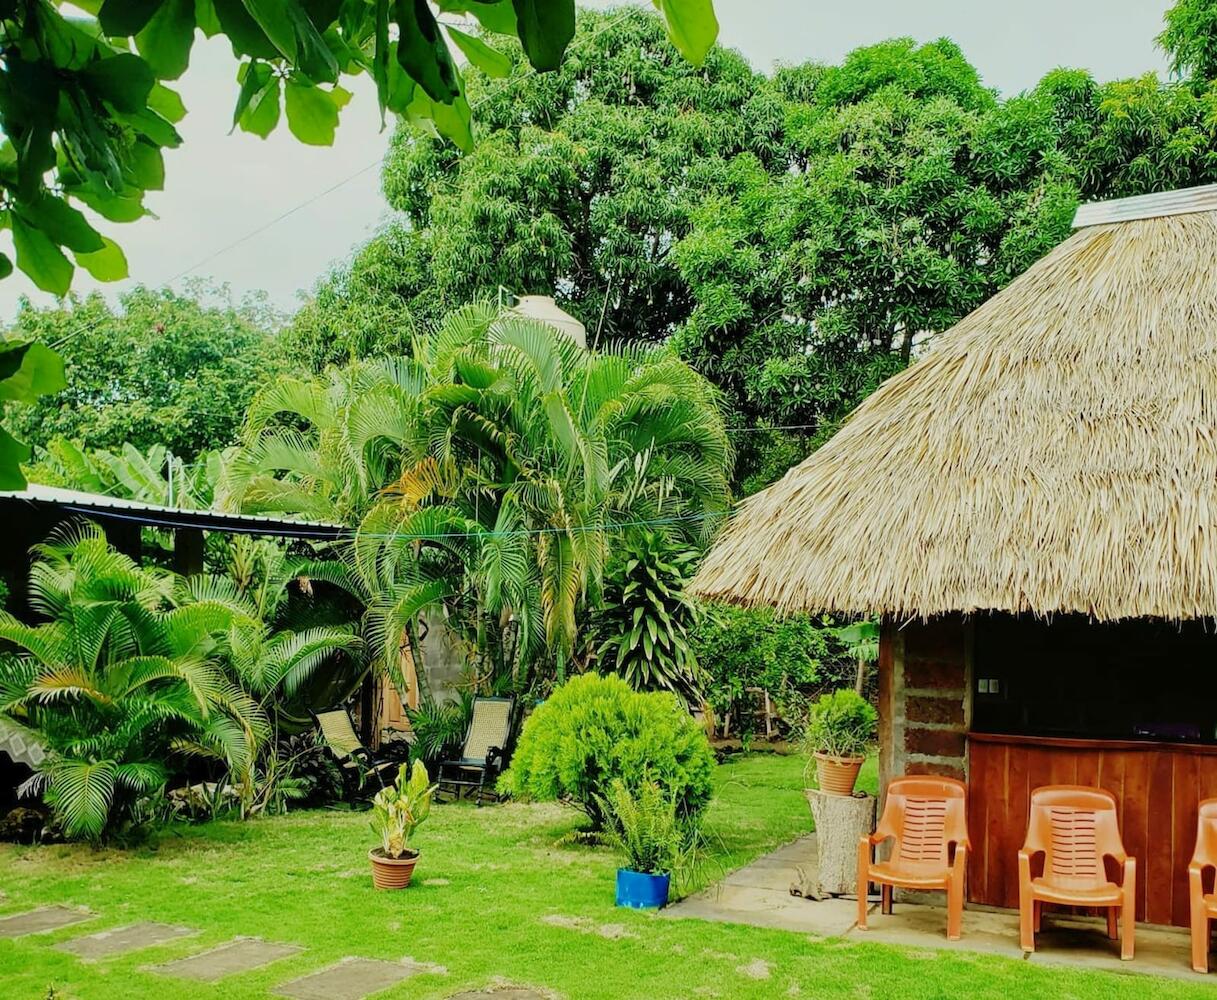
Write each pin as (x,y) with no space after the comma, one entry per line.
(1128,870)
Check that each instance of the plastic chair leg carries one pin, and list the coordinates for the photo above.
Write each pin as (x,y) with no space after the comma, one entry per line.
(1038,914)
(1200,941)
(1111,923)
(1026,923)
(1127,929)
(955,910)
(886,894)
(863,880)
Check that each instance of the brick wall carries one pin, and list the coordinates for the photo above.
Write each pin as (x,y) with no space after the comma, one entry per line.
(923,702)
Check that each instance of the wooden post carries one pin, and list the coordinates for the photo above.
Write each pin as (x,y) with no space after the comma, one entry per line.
(840,821)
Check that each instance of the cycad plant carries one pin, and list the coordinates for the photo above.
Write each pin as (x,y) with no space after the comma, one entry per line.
(488,472)
(115,681)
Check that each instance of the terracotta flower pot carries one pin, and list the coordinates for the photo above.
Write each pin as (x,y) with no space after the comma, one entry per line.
(391,873)
(838,775)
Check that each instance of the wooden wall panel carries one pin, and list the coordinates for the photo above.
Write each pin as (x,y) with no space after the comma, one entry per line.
(1157,788)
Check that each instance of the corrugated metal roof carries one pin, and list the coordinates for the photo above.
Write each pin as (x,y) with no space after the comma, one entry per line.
(158,515)
(1148,206)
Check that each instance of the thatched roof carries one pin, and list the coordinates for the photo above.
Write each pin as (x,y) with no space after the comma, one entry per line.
(1055,451)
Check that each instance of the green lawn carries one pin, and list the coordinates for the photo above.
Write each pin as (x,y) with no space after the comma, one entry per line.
(486,883)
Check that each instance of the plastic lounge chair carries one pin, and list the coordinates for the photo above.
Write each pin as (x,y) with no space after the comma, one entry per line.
(1200,875)
(358,764)
(927,819)
(1071,833)
(485,752)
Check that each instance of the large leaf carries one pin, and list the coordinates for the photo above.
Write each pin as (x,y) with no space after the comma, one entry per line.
(126,17)
(107,264)
(287,25)
(166,39)
(422,52)
(81,794)
(691,25)
(243,32)
(61,223)
(312,113)
(13,454)
(28,371)
(262,115)
(546,28)
(125,80)
(490,61)
(41,259)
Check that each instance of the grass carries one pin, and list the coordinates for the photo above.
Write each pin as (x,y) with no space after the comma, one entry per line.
(497,899)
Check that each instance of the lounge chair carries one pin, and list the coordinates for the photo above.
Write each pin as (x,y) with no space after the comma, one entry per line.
(358,764)
(485,751)
(1073,830)
(1200,876)
(927,820)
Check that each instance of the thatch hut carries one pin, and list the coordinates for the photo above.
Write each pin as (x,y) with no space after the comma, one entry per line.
(1032,511)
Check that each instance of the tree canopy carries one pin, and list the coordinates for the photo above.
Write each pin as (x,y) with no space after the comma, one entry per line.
(160,369)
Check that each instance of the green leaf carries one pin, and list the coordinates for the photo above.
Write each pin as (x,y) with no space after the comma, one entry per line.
(546,28)
(107,264)
(490,61)
(146,166)
(62,223)
(124,80)
(148,123)
(13,454)
(123,18)
(493,15)
(691,25)
(454,121)
(41,259)
(166,40)
(275,20)
(287,25)
(262,115)
(30,370)
(312,113)
(422,52)
(247,38)
(167,103)
(206,19)
(253,76)
(126,207)
(6,266)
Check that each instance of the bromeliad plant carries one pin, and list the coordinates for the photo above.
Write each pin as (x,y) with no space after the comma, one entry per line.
(397,812)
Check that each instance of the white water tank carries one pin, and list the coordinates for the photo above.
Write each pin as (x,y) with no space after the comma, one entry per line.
(545,310)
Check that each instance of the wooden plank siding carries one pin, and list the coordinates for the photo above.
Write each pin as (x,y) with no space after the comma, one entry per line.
(1157,788)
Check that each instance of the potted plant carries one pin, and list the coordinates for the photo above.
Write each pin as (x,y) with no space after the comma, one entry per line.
(397,811)
(841,728)
(651,836)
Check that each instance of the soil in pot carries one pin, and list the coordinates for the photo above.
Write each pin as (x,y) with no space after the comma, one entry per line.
(391,873)
(838,775)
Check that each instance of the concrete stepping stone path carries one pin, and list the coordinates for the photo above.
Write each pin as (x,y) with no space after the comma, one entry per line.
(120,940)
(241,954)
(350,979)
(42,920)
(506,993)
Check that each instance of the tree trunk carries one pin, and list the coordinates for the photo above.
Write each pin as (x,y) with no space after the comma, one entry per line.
(840,821)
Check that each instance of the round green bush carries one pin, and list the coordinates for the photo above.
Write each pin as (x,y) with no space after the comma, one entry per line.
(595,728)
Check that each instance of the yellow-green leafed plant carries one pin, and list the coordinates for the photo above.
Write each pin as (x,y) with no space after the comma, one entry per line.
(399,810)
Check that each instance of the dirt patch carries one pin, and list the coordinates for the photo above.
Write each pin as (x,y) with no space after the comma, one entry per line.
(614,932)
(758,968)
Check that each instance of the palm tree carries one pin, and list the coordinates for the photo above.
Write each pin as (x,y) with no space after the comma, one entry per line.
(489,471)
(114,681)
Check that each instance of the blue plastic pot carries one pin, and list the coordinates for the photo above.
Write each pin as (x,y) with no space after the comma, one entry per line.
(641,891)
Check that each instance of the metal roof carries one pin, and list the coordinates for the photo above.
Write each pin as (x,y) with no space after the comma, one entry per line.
(160,516)
(1184,201)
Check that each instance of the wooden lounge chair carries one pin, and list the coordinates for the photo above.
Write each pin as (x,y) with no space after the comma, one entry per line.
(1072,832)
(926,818)
(358,764)
(1200,875)
(485,752)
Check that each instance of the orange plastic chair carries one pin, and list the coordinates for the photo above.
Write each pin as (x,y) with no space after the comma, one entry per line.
(927,819)
(1072,830)
(1200,876)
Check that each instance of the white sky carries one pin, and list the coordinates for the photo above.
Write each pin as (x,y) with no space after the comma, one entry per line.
(220,188)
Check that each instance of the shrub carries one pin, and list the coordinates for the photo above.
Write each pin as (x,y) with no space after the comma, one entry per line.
(594,729)
(791,658)
(841,724)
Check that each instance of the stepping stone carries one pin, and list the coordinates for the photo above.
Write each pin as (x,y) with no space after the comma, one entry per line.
(350,979)
(42,920)
(238,955)
(507,993)
(121,940)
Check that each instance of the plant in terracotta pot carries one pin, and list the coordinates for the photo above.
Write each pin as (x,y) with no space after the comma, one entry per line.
(397,811)
(841,729)
(652,837)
